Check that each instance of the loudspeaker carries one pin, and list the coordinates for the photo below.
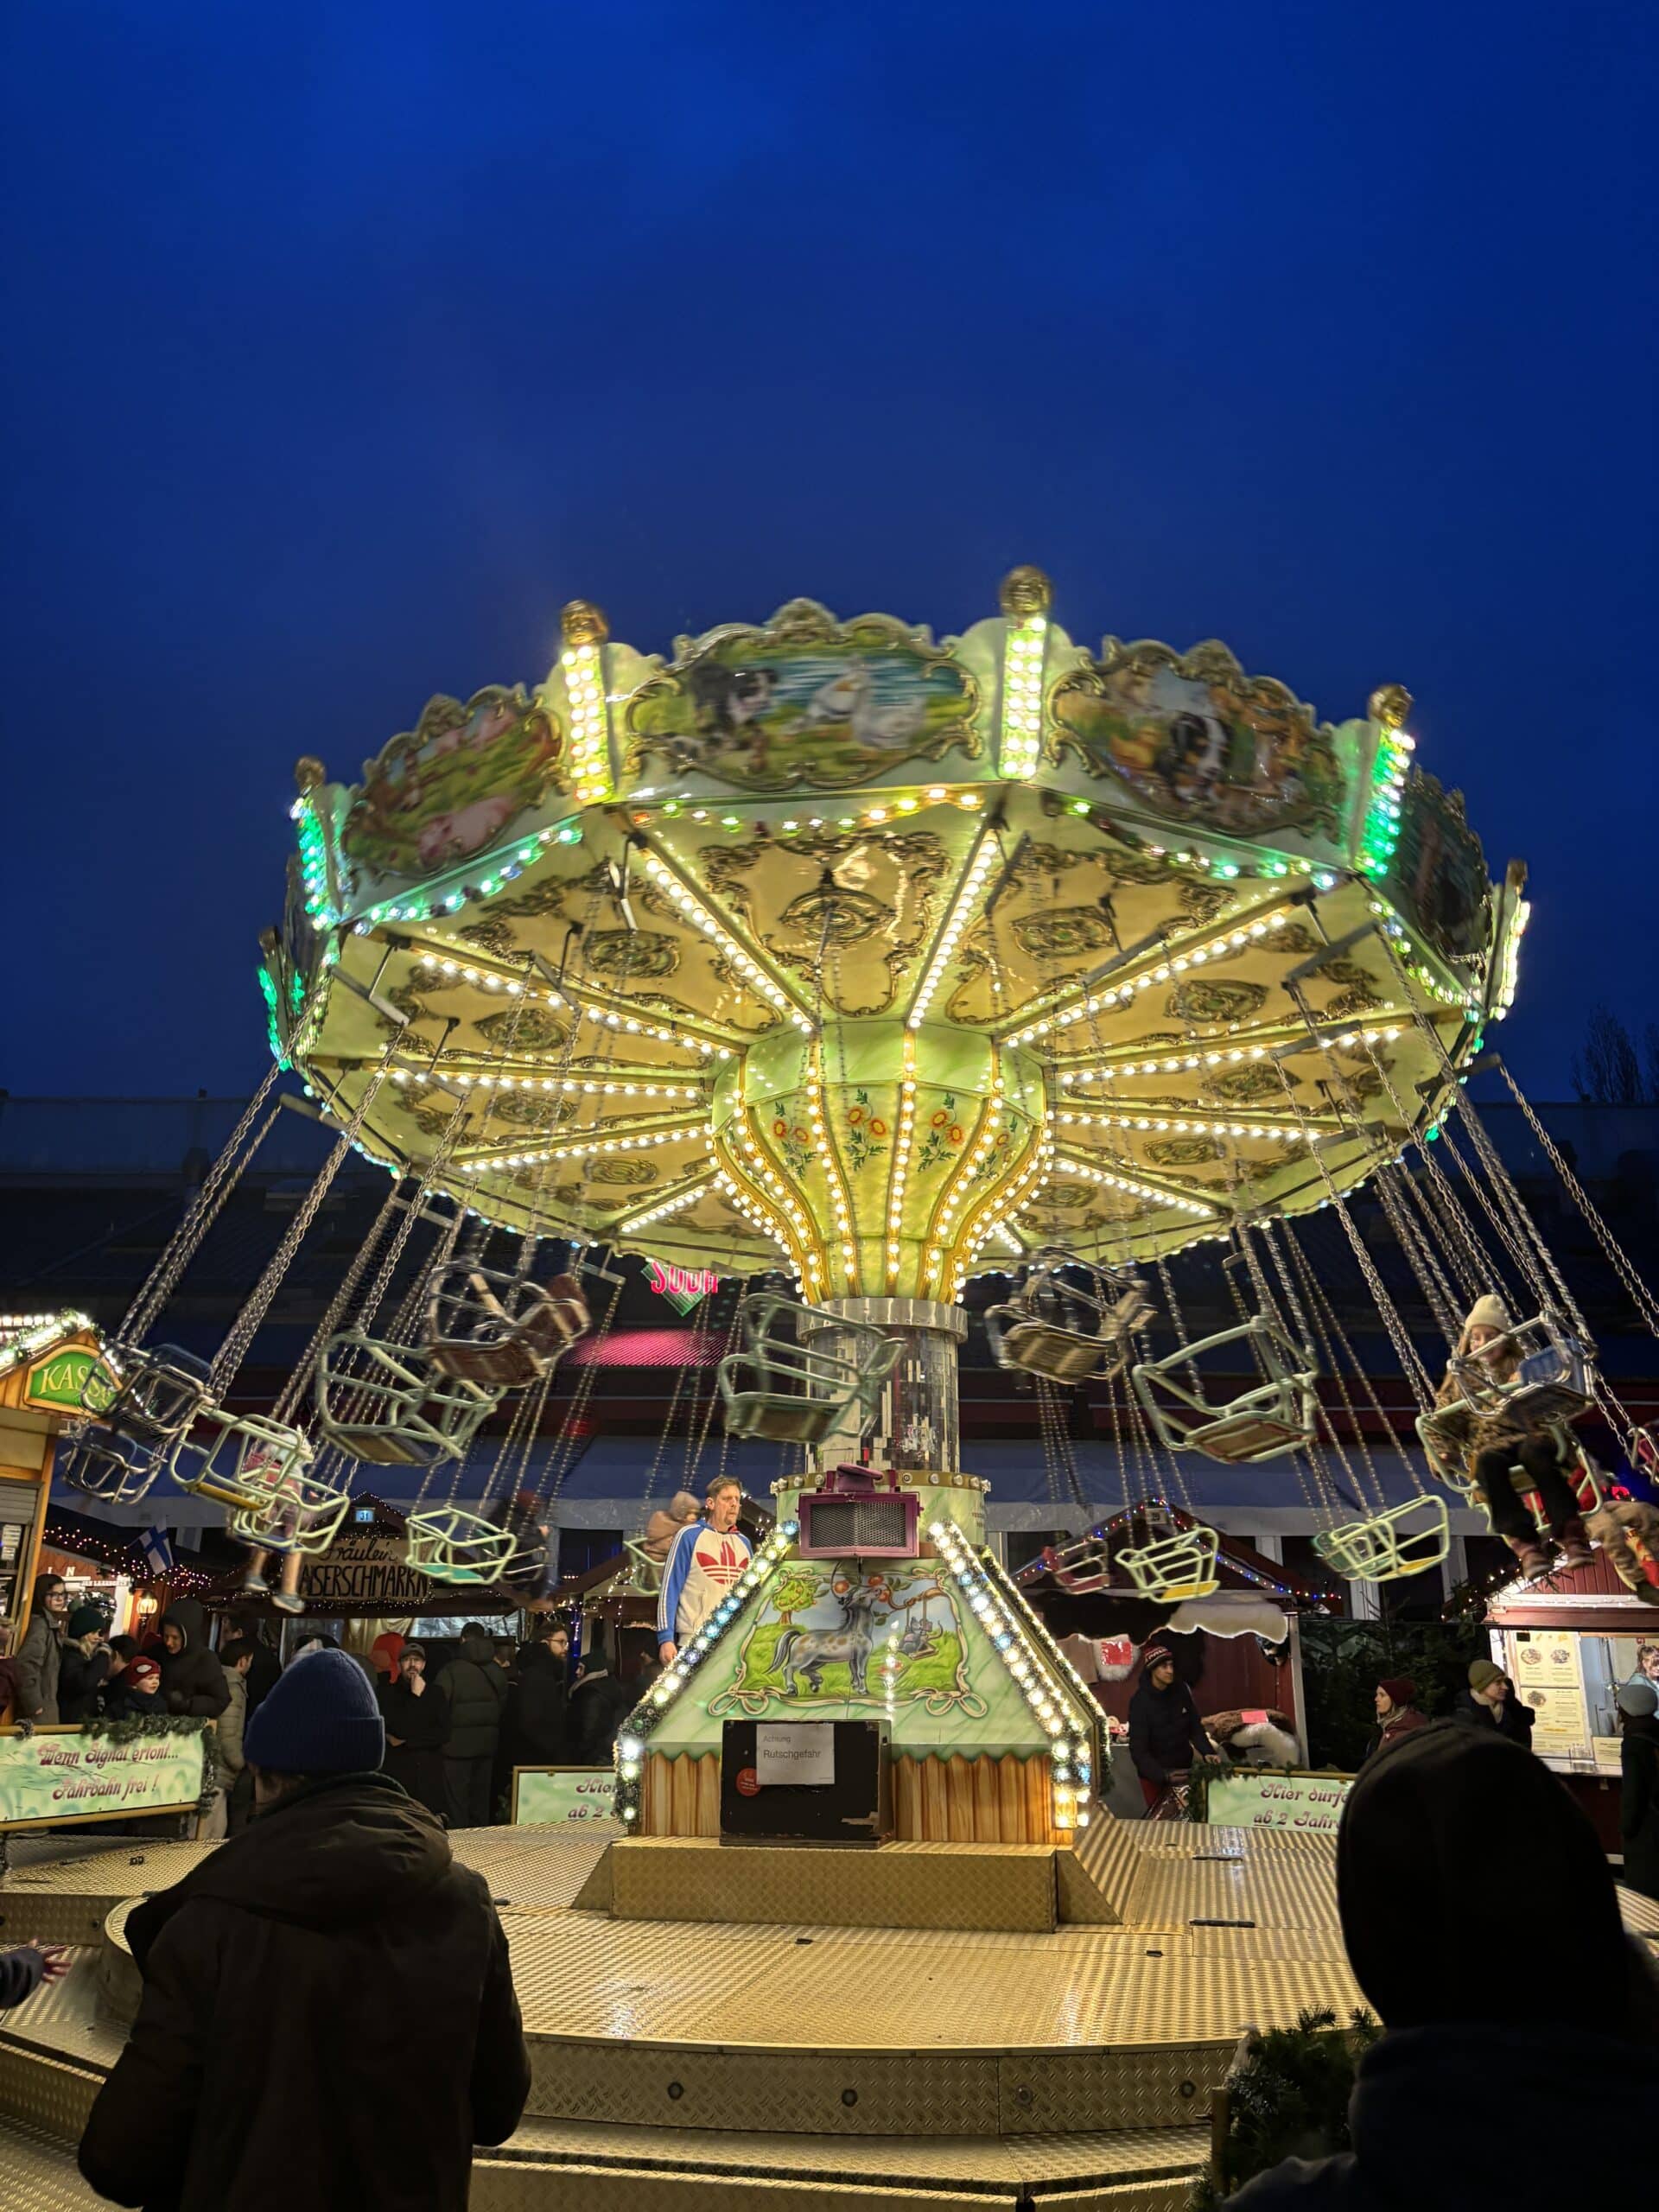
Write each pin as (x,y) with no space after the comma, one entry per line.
(856,1807)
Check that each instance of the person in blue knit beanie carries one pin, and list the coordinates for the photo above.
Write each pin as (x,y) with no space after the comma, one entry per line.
(259,2072)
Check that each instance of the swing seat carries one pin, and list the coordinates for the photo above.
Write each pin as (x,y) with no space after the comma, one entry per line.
(647,1571)
(1406,1539)
(1173,1569)
(449,1544)
(788,1391)
(242,1461)
(1081,1567)
(156,1394)
(1547,1373)
(1052,1328)
(501,1330)
(302,1514)
(384,1402)
(101,1464)
(1275,1415)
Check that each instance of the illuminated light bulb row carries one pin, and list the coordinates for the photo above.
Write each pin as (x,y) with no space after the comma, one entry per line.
(840,1195)
(1121,994)
(584,1147)
(957,1194)
(1022,698)
(1382,833)
(984,858)
(1027,1184)
(32,1333)
(968,800)
(570,1085)
(1509,968)
(664,1207)
(791,1215)
(314,860)
(1007,1625)
(633,1740)
(761,1223)
(901,1160)
(1195,1125)
(700,917)
(1135,1189)
(584,692)
(601,1017)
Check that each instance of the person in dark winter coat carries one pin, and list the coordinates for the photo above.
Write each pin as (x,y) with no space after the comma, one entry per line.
(1397,1713)
(1502,2080)
(475,1691)
(1491,1705)
(540,1736)
(84,1666)
(137,1696)
(40,1656)
(1165,1731)
(24,1969)
(327,2017)
(416,1714)
(265,1672)
(192,1679)
(1638,1803)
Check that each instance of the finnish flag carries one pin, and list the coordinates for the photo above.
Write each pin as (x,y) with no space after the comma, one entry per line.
(156,1550)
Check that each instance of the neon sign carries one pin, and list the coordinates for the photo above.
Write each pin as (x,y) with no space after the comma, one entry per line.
(683,1286)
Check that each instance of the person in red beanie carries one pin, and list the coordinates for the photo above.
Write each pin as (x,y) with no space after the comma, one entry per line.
(1397,1713)
(1167,1731)
(260,2073)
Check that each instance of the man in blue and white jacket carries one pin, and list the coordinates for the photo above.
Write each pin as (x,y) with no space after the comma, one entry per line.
(703,1567)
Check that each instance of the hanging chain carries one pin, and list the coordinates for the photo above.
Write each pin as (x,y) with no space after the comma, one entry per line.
(1646,1305)
(200,1216)
(234,1349)
(294,1389)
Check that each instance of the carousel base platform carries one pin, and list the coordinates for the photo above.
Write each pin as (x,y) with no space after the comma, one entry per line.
(798,2065)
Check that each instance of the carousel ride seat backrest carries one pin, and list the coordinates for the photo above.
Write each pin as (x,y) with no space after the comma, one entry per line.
(790,1390)
(100,1463)
(1176,1568)
(245,1461)
(1405,1540)
(1538,1369)
(497,1329)
(389,1404)
(1054,1328)
(158,1392)
(1278,1412)
(451,1544)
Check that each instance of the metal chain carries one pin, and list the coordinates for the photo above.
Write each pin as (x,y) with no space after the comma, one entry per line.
(234,1349)
(176,1254)
(293,1389)
(1405,1351)
(1646,1305)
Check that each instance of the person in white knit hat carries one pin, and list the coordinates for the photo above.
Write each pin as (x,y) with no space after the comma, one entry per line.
(1495,1441)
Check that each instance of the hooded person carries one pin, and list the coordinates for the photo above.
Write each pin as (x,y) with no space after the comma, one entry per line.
(1638,1803)
(328,2016)
(84,1666)
(137,1696)
(1397,1715)
(1512,2072)
(192,1679)
(665,1524)
(1491,1705)
(1494,1440)
(1166,1731)
(39,1663)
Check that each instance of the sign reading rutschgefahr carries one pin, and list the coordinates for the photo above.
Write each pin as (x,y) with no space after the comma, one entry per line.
(1310,1802)
(564,1797)
(59,1775)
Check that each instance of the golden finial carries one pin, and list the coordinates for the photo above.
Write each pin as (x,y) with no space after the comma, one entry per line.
(1026,591)
(1390,704)
(309,772)
(584,624)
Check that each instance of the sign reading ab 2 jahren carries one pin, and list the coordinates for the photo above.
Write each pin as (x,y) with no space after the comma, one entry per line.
(1310,1802)
(59,1775)
(566,1797)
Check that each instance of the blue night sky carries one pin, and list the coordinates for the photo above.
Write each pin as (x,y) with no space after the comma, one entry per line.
(347,341)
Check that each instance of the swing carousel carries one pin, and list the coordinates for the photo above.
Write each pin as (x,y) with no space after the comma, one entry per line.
(845,966)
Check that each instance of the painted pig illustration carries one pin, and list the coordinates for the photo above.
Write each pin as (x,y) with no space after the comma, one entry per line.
(468,829)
